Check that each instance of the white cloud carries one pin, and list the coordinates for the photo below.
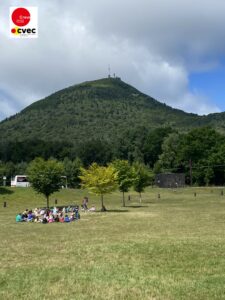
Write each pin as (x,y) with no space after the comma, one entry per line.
(196,102)
(6,108)
(169,84)
(151,44)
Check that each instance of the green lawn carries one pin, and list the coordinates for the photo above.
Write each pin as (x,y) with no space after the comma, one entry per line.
(167,248)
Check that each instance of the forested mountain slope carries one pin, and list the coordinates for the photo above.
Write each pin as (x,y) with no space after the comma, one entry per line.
(103,108)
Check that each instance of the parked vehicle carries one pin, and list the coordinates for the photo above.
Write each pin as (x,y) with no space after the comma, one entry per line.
(20,181)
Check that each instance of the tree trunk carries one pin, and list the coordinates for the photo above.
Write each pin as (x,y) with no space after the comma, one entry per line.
(103,207)
(140,199)
(123,200)
(102,200)
(47,198)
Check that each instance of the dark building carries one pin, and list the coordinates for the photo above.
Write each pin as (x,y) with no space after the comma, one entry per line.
(170,180)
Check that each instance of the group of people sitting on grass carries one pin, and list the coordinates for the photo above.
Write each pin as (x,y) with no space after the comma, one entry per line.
(50,215)
(56,214)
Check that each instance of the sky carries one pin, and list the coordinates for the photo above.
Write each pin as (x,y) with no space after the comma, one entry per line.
(171,50)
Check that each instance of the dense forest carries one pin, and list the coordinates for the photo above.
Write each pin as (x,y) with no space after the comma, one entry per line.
(107,119)
(164,150)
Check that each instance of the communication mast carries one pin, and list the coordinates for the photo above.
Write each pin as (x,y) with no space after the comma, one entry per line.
(109,72)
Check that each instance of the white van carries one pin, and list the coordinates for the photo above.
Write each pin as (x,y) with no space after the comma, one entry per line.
(20,181)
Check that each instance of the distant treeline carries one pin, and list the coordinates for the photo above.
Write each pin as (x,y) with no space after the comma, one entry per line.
(200,153)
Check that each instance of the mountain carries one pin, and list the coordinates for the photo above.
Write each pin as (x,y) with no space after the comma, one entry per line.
(100,109)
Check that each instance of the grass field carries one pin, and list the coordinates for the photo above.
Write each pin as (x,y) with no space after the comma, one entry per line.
(167,248)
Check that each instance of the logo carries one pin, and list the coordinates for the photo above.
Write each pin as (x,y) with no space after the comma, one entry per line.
(21,16)
(23,22)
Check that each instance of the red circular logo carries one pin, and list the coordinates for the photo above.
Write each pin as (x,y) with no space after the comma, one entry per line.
(21,17)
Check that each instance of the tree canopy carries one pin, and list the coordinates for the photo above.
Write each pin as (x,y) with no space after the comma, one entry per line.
(99,180)
(45,176)
(125,175)
(201,149)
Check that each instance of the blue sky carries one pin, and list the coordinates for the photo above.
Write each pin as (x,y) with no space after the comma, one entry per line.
(171,50)
(211,84)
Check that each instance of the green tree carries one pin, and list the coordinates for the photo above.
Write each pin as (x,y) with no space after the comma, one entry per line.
(45,176)
(143,178)
(99,180)
(72,171)
(95,150)
(8,170)
(21,168)
(168,158)
(153,144)
(209,175)
(217,162)
(125,176)
(203,147)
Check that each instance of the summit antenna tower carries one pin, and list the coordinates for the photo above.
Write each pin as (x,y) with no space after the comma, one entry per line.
(109,71)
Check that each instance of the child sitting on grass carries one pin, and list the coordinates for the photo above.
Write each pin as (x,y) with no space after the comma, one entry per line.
(67,219)
(19,218)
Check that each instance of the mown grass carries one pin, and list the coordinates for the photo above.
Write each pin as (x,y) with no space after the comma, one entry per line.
(167,248)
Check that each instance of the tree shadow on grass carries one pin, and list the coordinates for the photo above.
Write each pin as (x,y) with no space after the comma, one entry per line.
(136,206)
(117,210)
(5,191)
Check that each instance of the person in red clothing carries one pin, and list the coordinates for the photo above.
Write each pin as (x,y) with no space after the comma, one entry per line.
(61,218)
